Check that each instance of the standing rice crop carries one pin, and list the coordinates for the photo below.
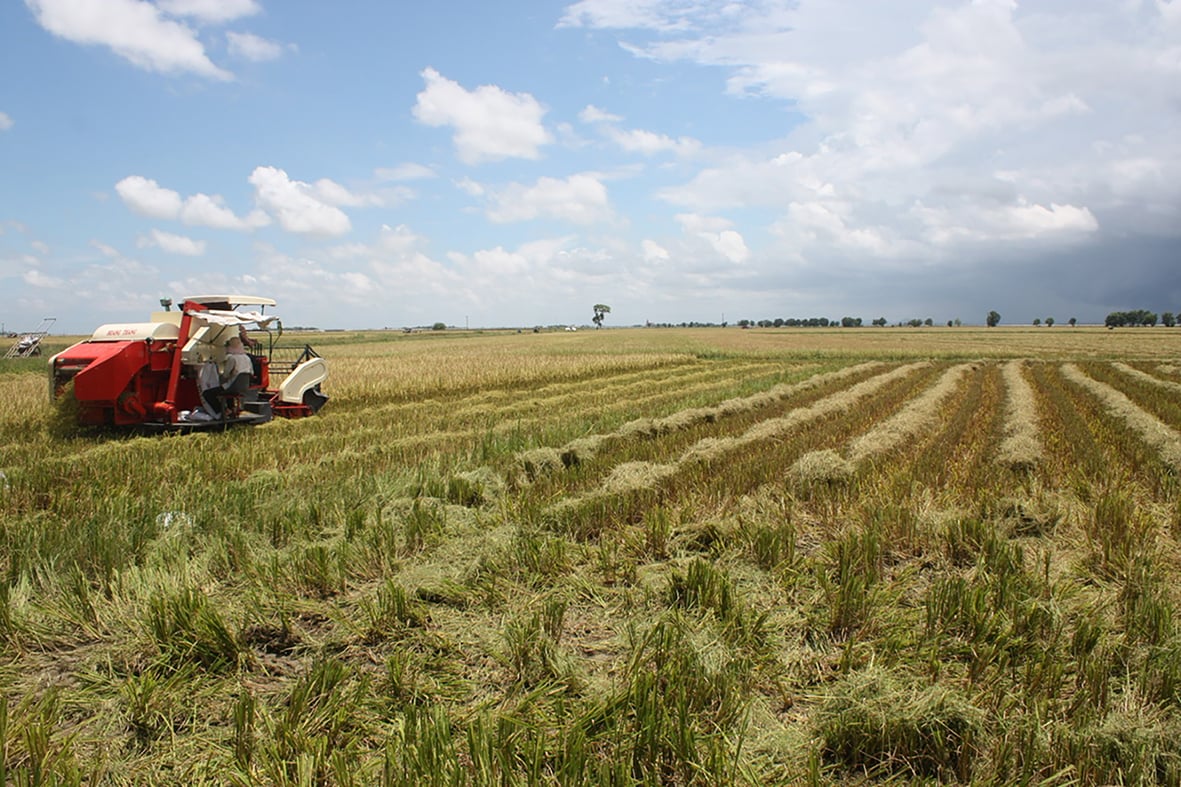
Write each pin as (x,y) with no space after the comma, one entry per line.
(1164,440)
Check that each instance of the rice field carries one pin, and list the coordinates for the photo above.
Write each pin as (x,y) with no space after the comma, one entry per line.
(633,556)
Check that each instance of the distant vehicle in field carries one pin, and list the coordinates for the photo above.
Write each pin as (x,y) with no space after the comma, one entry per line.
(151,374)
(29,345)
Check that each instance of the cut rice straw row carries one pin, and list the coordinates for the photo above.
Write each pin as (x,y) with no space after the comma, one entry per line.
(915,418)
(1020,449)
(635,476)
(1163,439)
(1144,377)
(539,461)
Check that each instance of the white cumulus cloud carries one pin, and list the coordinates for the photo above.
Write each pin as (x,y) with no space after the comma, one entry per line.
(581,199)
(212,11)
(173,244)
(407,171)
(5,122)
(637,140)
(133,29)
(653,251)
(252,47)
(717,233)
(298,206)
(148,198)
(490,124)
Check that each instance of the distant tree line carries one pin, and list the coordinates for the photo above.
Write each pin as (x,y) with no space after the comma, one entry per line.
(1139,317)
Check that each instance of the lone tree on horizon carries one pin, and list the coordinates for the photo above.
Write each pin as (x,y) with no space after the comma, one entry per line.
(993,319)
(601,309)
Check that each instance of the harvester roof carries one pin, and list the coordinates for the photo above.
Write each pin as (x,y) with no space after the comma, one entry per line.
(233,300)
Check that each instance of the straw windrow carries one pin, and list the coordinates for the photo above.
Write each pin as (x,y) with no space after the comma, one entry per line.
(1163,439)
(584,448)
(1144,377)
(1021,449)
(915,418)
(627,478)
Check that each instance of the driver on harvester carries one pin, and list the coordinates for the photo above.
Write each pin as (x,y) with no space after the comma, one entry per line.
(235,378)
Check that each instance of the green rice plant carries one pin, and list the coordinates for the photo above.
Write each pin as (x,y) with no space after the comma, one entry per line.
(32,752)
(964,540)
(316,722)
(771,544)
(406,680)
(1146,609)
(475,488)
(8,625)
(317,569)
(900,529)
(1117,531)
(680,715)
(187,630)
(704,588)
(1125,747)
(392,610)
(614,564)
(155,706)
(244,719)
(1159,679)
(422,749)
(880,724)
(532,646)
(657,530)
(849,579)
(422,526)
(537,556)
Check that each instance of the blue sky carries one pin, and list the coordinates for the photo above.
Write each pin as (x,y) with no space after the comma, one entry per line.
(373,164)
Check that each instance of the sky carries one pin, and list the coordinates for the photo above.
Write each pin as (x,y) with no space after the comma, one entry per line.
(378,163)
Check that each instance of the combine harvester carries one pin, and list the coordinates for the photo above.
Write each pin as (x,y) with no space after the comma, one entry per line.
(151,374)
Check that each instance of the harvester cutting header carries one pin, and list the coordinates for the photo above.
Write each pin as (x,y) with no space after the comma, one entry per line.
(212,363)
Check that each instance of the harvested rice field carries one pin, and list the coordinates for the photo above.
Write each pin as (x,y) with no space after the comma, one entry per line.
(632,556)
